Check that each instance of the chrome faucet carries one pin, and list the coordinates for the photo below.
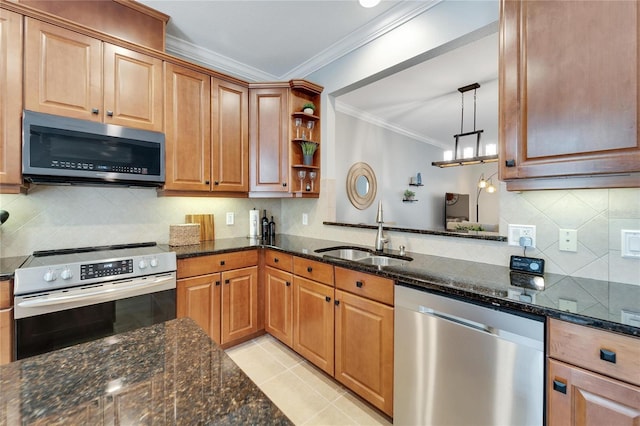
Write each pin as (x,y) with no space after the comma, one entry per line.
(380,238)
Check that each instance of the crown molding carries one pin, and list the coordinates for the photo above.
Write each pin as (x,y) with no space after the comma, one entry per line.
(377,121)
(389,20)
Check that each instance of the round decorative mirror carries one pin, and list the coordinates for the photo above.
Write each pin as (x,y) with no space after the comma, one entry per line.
(361,185)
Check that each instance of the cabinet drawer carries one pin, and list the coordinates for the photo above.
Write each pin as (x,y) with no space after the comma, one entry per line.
(6,298)
(202,265)
(365,285)
(586,347)
(313,270)
(278,260)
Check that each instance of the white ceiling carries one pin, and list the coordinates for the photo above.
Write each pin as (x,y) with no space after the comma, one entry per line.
(267,40)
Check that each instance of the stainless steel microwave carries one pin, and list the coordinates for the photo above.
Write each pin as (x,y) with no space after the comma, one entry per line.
(70,151)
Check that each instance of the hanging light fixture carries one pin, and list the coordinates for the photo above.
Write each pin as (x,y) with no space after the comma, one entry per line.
(468,155)
(368,3)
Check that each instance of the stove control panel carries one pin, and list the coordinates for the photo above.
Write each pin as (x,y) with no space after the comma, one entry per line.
(106,269)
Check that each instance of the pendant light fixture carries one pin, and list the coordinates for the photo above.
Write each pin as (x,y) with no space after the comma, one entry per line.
(469,155)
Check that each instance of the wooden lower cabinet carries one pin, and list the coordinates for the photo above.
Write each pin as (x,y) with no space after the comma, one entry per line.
(581,397)
(199,299)
(278,304)
(364,348)
(313,322)
(239,304)
(6,322)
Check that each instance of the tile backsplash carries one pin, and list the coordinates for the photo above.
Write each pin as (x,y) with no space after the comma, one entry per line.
(52,217)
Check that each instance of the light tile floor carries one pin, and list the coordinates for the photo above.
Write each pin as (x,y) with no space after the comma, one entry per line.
(305,394)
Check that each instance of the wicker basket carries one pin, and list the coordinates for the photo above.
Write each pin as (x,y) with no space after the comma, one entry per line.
(184,234)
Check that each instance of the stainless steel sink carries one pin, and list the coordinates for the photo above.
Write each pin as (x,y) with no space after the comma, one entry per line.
(364,256)
(382,261)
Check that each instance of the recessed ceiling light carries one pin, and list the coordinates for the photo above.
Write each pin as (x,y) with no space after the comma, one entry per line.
(368,3)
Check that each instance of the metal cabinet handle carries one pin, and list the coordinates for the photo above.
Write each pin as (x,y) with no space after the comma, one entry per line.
(227,281)
(284,184)
(510,163)
(309,269)
(558,386)
(359,284)
(217,282)
(95,111)
(222,263)
(337,302)
(607,355)
(287,283)
(276,260)
(206,182)
(216,183)
(327,298)
(110,113)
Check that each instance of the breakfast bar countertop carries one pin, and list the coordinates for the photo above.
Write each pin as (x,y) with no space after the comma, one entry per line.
(169,373)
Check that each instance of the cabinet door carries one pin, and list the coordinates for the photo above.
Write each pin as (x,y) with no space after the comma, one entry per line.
(6,335)
(279,305)
(188,129)
(580,397)
(63,72)
(239,303)
(569,93)
(10,98)
(199,299)
(229,122)
(132,89)
(268,143)
(313,322)
(364,349)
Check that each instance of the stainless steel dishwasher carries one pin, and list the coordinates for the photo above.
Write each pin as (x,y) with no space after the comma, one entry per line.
(458,363)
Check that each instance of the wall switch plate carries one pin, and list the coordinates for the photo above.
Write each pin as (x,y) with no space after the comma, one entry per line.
(524,233)
(230,218)
(568,305)
(568,240)
(630,318)
(631,243)
(305,219)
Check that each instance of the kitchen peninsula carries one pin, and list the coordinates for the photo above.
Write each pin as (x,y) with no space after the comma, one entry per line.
(170,373)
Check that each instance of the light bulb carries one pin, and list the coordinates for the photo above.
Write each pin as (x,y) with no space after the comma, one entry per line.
(491,189)
(368,3)
(448,155)
(482,183)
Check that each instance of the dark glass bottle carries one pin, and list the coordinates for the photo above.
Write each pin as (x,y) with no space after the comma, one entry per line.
(265,226)
(272,228)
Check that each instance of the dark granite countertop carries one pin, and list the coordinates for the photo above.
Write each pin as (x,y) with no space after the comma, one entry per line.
(170,373)
(599,303)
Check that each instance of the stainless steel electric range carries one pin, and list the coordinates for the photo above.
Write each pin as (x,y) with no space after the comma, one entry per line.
(70,296)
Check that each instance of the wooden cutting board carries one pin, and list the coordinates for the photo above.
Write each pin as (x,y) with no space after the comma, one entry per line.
(206,225)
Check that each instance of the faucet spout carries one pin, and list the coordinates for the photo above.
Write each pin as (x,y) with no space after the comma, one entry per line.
(380,238)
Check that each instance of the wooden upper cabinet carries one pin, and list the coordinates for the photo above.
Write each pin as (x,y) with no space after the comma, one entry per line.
(188,129)
(10,101)
(74,75)
(230,136)
(63,72)
(132,89)
(569,94)
(269,139)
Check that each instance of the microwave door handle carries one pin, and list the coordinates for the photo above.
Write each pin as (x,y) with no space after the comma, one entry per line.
(93,295)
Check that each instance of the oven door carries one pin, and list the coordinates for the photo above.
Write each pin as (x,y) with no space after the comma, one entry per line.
(48,321)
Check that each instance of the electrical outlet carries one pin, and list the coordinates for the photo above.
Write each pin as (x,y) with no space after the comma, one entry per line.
(305,219)
(630,318)
(230,218)
(525,232)
(630,243)
(568,305)
(568,240)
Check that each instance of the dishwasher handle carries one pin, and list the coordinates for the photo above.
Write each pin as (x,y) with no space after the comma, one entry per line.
(462,321)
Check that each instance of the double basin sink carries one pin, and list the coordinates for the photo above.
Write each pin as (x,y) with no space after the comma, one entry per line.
(364,256)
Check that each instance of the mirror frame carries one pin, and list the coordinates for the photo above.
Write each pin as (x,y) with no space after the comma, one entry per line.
(357,170)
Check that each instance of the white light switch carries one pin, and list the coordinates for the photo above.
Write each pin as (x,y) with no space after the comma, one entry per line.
(230,218)
(631,243)
(568,240)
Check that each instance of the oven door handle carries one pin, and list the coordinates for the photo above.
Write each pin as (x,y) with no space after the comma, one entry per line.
(94,295)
